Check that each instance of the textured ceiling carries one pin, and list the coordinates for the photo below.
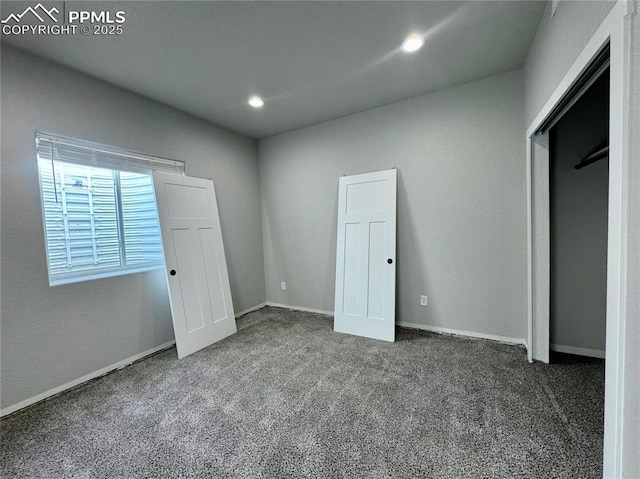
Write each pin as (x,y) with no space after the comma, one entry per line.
(310,61)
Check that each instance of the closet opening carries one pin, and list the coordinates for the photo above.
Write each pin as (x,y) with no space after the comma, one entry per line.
(570,246)
(578,236)
(578,204)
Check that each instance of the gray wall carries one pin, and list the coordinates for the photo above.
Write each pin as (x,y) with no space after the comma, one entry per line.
(54,335)
(558,42)
(579,201)
(461,204)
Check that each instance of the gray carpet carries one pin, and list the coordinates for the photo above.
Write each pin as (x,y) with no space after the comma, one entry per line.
(288,397)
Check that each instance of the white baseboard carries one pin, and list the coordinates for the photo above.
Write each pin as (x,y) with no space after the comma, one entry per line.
(433,329)
(76,382)
(458,332)
(300,308)
(251,310)
(592,353)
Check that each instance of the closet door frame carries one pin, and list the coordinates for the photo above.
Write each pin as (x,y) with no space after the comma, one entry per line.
(616,30)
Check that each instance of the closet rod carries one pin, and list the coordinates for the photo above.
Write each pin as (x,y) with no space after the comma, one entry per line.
(593,157)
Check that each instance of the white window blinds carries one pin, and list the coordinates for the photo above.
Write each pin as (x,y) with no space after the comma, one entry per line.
(92,154)
(99,209)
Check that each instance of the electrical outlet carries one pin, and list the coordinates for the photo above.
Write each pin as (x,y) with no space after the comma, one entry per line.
(423,300)
(283,286)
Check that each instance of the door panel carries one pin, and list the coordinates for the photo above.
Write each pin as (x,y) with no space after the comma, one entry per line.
(365,258)
(212,274)
(199,291)
(190,303)
(187,201)
(351,271)
(377,264)
(366,197)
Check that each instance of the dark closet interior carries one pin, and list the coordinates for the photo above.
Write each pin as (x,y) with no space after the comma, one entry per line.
(579,176)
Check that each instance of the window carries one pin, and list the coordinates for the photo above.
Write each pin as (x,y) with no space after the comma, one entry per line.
(99,209)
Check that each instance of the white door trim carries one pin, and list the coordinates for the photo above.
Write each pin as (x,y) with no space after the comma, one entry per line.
(616,28)
(539,254)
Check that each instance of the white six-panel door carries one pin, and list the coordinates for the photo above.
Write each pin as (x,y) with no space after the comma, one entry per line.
(197,275)
(365,256)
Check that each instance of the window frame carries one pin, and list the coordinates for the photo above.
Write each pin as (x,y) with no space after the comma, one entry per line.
(131,161)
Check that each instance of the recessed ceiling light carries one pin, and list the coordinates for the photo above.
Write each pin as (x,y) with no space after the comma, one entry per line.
(412,43)
(256,102)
